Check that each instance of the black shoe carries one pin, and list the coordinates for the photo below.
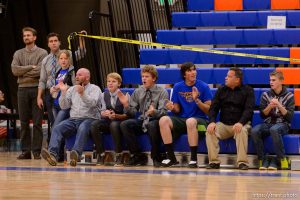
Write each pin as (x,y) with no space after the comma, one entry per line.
(170,163)
(37,155)
(213,166)
(119,160)
(46,155)
(243,166)
(100,159)
(137,160)
(25,155)
(73,158)
(156,163)
(193,164)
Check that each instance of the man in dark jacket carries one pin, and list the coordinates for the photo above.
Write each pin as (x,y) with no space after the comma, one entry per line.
(235,102)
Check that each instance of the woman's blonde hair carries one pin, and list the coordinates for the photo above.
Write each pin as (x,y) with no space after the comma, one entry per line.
(68,54)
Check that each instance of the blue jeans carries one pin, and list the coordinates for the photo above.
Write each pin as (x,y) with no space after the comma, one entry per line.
(67,128)
(60,115)
(276,131)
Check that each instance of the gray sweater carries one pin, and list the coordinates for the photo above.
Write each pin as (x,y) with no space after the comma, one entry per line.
(22,63)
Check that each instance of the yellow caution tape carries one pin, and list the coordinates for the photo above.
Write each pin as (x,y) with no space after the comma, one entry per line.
(154,44)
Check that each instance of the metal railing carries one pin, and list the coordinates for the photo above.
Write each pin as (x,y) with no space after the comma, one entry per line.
(129,19)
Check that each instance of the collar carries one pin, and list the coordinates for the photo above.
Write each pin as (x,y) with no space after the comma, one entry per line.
(32,49)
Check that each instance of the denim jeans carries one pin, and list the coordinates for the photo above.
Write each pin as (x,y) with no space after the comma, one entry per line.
(60,115)
(72,126)
(133,127)
(260,131)
(28,109)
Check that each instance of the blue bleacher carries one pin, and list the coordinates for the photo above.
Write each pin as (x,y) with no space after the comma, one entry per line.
(232,18)
(229,36)
(175,56)
(215,75)
(206,5)
(202,5)
(208,75)
(291,141)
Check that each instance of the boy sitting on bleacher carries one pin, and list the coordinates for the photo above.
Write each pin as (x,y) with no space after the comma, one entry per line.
(190,103)
(277,109)
(148,100)
(110,121)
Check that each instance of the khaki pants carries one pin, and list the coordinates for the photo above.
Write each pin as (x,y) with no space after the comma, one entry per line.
(224,132)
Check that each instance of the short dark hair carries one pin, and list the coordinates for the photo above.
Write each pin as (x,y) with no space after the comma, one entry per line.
(237,72)
(185,67)
(52,35)
(32,30)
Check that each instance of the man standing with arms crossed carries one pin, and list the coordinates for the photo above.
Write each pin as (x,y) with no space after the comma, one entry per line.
(26,65)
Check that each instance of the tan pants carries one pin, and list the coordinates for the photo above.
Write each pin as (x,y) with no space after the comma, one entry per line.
(224,132)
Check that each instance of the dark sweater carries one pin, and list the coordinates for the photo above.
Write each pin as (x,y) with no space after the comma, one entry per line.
(286,98)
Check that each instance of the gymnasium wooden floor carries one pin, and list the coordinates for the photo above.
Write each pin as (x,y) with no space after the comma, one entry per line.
(35,179)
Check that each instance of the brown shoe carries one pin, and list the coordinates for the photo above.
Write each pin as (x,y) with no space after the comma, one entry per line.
(25,155)
(48,157)
(73,158)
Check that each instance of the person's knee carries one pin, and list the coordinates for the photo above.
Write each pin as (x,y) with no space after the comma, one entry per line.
(94,126)
(124,125)
(191,123)
(274,131)
(164,121)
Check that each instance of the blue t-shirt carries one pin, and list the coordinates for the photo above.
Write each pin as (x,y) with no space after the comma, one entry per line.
(61,76)
(182,94)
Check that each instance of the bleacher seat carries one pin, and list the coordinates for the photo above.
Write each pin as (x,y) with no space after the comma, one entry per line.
(208,75)
(257,4)
(174,56)
(229,36)
(232,18)
(207,5)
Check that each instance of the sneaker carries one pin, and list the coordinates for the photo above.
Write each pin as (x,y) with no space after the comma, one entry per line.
(100,159)
(213,166)
(265,164)
(273,164)
(25,155)
(284,163)
(169,163)
(156,163)
(243,166)
(119,160)
(36,155)
(73,158)
(46,155)
(193,164)
(137,160)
